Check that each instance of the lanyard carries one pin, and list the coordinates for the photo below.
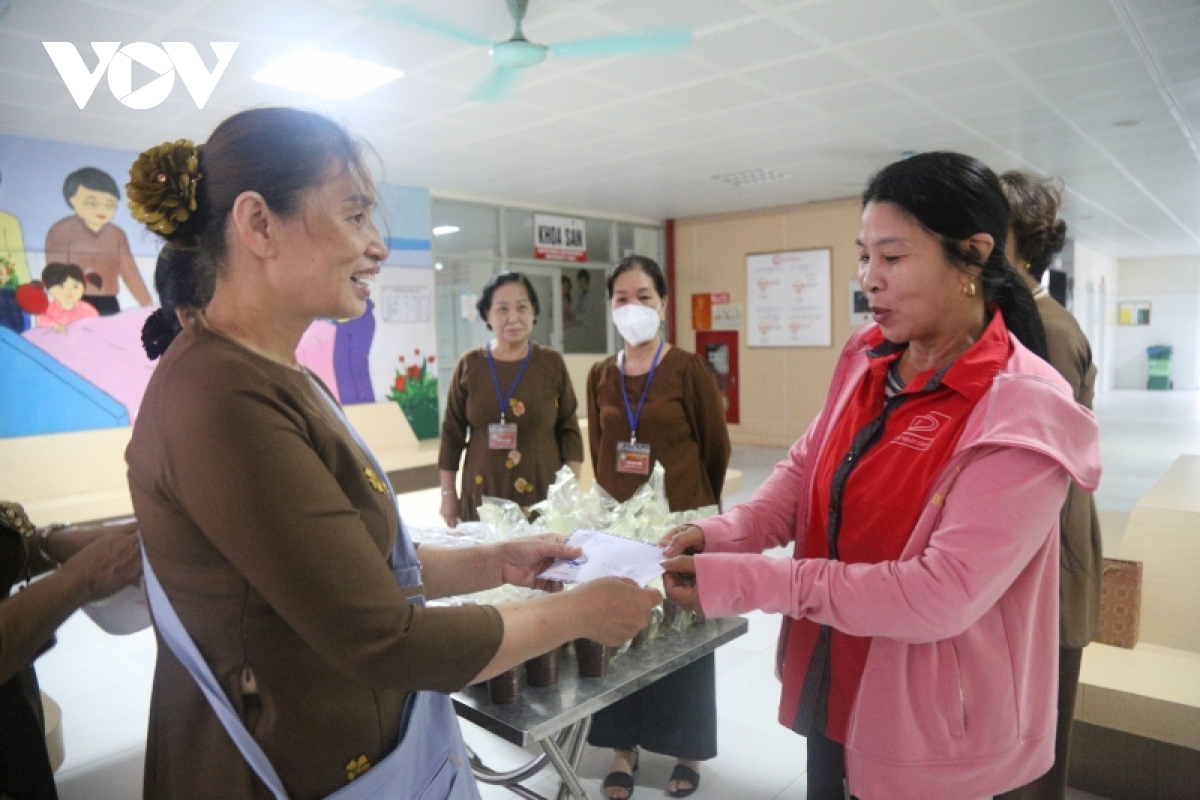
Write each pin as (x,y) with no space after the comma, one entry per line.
(504,398)
(633,418)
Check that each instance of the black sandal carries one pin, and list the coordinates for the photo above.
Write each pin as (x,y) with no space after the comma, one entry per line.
(622,780)
(683,773)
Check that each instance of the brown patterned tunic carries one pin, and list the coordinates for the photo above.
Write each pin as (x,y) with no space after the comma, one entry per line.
(544,409)
(270,533)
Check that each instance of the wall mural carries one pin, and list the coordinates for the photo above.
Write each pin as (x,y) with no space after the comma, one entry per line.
(74,276)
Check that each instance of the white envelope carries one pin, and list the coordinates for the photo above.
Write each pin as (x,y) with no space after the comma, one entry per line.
(604,555)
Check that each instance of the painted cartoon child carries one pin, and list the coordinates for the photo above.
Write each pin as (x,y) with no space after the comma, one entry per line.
(91,241)
(64,284)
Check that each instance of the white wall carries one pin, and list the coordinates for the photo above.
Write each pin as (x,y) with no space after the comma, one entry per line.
(1095,307)
(1172,287)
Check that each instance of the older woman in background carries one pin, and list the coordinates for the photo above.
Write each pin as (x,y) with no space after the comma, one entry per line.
(919,644)
(1036,235)
(511,406)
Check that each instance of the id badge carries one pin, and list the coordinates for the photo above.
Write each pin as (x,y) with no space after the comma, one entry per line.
(633,458)
(502,436)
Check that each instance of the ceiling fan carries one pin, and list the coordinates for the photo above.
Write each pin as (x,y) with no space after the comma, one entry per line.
(517,53)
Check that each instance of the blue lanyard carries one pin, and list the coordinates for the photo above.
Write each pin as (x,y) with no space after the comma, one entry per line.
(633,418)
(501,396)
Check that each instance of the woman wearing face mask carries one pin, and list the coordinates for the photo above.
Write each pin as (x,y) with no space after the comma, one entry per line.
(652,402)
(511,406)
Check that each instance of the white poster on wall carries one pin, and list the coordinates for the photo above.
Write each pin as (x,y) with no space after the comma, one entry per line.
(788,299)
(405,303)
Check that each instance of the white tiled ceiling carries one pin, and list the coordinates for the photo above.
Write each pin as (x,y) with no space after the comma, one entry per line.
(825,91)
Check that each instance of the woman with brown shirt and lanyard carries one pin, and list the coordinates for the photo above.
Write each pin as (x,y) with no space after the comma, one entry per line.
(511,406)
(653,402)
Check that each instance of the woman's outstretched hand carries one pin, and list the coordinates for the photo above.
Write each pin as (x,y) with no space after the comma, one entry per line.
(680,582)
(682,540)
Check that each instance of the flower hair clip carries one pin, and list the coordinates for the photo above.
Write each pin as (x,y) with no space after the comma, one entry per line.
(162,185)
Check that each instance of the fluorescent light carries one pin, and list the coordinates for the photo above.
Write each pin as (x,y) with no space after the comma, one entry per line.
(326,74)
(442,230)
(438,265)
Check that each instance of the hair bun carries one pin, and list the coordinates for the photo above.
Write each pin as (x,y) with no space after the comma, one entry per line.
(159,330)
(163,185)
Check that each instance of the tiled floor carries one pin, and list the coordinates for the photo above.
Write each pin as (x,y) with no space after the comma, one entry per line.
(103,682)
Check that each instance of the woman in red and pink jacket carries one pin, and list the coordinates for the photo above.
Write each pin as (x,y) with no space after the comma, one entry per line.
(918,651)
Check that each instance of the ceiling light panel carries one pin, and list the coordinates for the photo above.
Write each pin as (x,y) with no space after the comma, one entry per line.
(328,75)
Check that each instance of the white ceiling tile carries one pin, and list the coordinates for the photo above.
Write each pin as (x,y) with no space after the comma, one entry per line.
(1181,68)
(763,116)
(806,74)
(1175,33)
(975,75)
(568,95)
(714,95)
(1022,25)
(62,21)
(858,97)
(1079,84)
(634,114)
(648,73)
(749,44)
(877,121)
(1078,53)
(662,13)
(1006,97)
(842,21)
(912,50)
(564,129)
(491,117)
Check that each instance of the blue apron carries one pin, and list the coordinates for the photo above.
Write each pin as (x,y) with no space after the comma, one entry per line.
(430,763)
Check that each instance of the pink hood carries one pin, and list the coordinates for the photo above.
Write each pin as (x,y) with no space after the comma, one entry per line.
(958,698)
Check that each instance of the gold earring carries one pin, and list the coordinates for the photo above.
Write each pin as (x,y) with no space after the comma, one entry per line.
(969,289)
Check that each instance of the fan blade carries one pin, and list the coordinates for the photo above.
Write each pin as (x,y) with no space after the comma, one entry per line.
(662,41)
(497,86)
(415,19)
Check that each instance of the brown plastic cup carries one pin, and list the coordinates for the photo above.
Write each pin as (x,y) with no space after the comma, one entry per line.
(506,687)
(543,670)
(592,658)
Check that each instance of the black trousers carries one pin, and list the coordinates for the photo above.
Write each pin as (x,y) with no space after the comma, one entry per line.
(826,768)
(676,715)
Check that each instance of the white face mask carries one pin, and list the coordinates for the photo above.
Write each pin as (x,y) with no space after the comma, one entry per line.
(636,323)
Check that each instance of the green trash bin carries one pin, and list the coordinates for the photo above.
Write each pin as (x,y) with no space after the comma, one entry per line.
(1160,367)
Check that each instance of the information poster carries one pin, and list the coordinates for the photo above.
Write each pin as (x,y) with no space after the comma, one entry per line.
(405,303)
(559,238)
(789,299)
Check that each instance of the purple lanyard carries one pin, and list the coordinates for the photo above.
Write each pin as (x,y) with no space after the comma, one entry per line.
(633,418)
(501,396)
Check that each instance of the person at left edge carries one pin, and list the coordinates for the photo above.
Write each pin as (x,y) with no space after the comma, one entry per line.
(511,406)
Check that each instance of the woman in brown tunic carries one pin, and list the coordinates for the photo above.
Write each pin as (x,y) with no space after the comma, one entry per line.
(511,405)
(265,518)
(1035,237)
(653,402)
